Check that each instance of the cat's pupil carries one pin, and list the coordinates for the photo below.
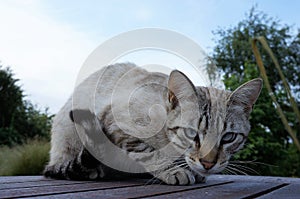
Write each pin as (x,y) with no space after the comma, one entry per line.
(197,141)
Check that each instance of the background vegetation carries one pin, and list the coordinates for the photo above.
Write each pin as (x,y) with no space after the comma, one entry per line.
(26,159)
(24,129)
(19,119)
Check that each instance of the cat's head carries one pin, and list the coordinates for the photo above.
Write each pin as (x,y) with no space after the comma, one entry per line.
(209,124)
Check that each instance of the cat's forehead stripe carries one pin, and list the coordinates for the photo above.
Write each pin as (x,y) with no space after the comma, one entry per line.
(214,107)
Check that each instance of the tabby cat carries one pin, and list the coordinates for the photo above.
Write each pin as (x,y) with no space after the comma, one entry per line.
(154,123)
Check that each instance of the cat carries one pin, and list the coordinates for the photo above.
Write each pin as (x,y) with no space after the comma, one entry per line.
(141,113)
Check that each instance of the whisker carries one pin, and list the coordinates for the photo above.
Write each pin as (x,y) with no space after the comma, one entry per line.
(183,165)
(225,171)
(237,170)
(254,162)
(230,171)
(245,168)
(150,181)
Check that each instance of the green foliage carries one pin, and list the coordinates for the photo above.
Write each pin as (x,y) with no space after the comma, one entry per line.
(19,119)
(26,159)
(268,140)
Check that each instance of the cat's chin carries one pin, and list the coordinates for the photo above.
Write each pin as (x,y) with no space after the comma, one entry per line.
(203,172)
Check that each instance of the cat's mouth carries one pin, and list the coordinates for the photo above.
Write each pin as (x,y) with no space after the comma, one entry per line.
(198,168)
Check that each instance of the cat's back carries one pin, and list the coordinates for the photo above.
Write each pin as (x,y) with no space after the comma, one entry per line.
(120,84)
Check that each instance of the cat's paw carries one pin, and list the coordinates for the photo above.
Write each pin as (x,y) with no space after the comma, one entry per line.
(178,176)
(199,178)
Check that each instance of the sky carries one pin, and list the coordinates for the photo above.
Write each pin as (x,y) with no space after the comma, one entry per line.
(46,42)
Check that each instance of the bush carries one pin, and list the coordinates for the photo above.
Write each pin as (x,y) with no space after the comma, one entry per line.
(27,159)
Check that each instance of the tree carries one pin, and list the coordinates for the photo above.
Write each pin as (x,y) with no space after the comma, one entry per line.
(268,140)
(19,119)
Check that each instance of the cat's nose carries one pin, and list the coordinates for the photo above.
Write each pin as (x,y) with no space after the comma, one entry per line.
(206,164)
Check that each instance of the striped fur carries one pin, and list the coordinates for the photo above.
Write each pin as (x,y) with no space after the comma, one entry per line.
(171,129)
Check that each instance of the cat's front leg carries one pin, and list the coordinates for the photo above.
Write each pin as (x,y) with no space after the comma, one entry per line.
(177,176)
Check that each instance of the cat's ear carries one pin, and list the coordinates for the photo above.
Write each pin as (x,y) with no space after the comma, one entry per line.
(246,95)
(180,88)
(80,115)
(71,115)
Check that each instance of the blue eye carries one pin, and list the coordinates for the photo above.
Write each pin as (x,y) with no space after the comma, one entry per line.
(228,137)
(190,133)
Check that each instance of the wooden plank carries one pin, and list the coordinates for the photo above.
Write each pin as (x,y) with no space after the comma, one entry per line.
(256,178)
(231,190)
(59,189)
(38,184)
(225,185)
(134,192)
(13,179)
(289,191)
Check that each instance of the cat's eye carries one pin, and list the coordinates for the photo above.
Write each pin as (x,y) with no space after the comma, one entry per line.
(190,133)
(228,137)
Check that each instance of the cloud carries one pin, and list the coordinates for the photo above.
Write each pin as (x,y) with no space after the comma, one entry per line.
(45,55)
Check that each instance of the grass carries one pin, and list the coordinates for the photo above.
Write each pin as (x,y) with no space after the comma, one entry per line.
(26,159)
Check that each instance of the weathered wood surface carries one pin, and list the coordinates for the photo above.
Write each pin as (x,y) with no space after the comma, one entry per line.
(218,186)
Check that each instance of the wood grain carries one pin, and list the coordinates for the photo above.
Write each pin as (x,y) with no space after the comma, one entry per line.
(226,186)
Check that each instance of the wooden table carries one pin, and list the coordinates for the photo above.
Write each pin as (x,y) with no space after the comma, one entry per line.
(218,186)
